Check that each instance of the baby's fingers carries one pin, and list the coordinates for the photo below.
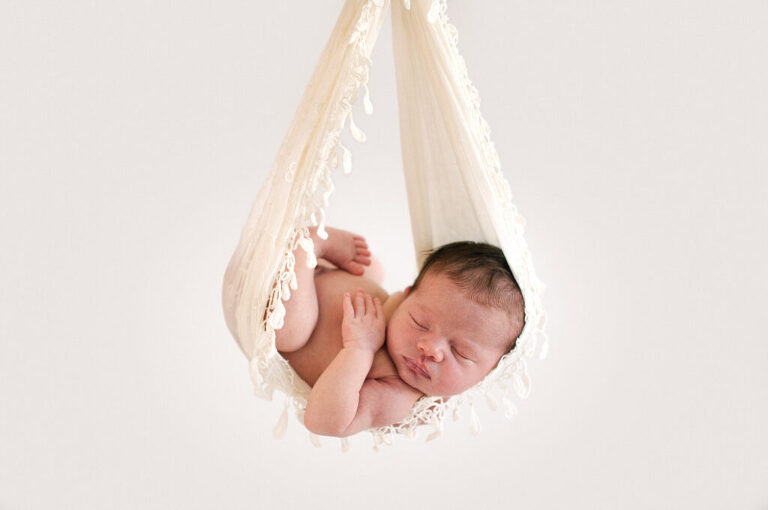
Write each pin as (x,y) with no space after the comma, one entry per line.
(369,308)
(346,306)
(359,303)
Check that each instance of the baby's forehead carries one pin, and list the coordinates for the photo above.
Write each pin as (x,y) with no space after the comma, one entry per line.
(458,312)
(458,309)
(438,286)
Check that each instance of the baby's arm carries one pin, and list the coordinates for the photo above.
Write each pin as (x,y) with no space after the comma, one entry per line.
(343,401)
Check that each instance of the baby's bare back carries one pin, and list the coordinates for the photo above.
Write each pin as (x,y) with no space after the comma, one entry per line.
(324,343)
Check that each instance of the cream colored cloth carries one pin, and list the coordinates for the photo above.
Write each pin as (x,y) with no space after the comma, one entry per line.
(456,191)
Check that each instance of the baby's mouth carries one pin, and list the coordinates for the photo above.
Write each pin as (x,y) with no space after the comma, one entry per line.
(422,371)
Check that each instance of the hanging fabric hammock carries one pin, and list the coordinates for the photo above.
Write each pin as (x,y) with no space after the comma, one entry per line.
(456,191)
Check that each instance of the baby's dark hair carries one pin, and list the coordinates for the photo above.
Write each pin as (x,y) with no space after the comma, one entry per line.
(482,271)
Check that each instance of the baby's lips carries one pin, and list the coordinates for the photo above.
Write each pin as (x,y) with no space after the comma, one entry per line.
(419,368)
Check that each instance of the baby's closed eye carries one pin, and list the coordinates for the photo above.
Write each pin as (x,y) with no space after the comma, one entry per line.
(417,323)
(460,353)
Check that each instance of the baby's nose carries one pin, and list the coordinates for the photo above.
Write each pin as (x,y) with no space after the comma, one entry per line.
(431,349)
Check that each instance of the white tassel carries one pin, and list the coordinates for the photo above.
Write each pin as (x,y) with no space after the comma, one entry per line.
(294,283)
(510,409)
(434,10)
(315,440)
(520,381)
(282,423)
(493,404)
(357,133)
(346,159)
(327,193)
(475,420)
(367,104)
(321,233)
(256,377)
(456,414)
(335,159)
(438,426)
(286,291)
(344,445)
(407,4)
(308,246)
(311,260)
(412,433)
(277,318)
(269,391)
(376,442)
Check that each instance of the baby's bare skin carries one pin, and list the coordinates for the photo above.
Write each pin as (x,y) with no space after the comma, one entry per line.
(380,397)
(439,341)
(324,343)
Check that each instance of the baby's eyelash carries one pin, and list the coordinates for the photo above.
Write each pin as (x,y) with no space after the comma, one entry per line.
(460,354)
(417,322)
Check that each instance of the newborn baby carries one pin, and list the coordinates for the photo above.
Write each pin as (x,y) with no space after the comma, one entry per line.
(369,356)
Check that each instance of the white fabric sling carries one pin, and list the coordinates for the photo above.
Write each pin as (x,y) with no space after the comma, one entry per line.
(456,191)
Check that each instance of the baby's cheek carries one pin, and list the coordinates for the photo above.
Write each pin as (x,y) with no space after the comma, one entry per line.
(395,341)
(390,336)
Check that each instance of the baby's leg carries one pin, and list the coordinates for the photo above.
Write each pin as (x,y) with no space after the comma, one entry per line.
(345,250)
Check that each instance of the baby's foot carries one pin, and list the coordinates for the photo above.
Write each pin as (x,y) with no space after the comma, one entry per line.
(344,249)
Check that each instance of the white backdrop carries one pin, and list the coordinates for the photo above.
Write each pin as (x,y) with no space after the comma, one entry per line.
(134,136)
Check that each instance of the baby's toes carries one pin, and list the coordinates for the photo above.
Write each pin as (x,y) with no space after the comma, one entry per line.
(354,267)
(363,256)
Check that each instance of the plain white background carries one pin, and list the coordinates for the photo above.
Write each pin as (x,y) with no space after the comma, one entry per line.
(134,136)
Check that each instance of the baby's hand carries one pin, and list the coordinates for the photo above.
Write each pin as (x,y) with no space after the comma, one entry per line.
(363,325)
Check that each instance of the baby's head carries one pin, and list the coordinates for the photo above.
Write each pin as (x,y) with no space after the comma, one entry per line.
(463,312)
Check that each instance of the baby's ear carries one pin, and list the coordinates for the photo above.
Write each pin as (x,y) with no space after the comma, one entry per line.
(407,290)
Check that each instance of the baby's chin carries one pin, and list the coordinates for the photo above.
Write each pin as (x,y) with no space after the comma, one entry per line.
(425,387)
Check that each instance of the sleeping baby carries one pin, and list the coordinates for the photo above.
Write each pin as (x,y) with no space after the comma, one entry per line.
(368,355)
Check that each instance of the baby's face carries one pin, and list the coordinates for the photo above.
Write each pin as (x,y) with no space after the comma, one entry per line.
(443,343)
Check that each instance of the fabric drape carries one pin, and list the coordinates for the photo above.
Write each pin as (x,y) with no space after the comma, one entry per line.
(456,191)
